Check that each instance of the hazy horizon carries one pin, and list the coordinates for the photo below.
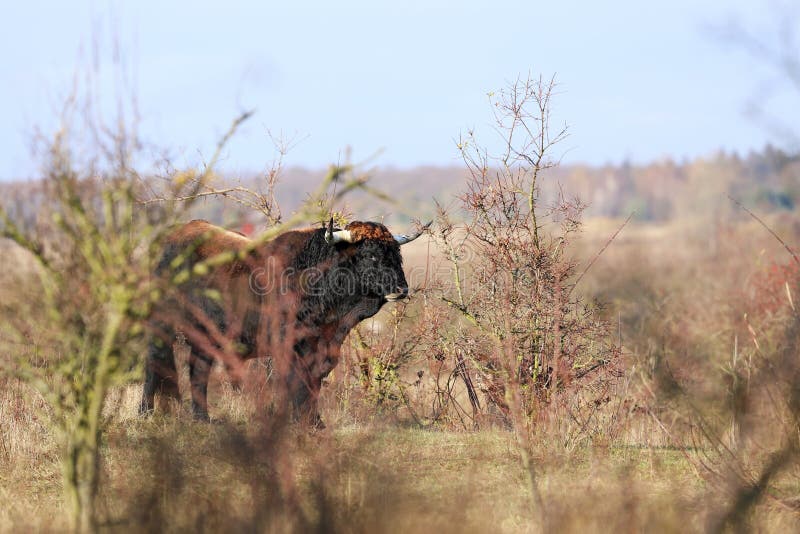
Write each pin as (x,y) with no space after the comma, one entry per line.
(637,83)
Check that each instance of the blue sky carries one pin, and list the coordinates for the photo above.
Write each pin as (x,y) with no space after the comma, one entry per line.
(638,80)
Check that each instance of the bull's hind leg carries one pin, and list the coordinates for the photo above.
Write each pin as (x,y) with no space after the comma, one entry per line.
(161,376)
(199,370)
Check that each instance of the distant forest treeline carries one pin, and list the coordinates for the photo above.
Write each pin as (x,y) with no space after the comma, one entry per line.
(765,181)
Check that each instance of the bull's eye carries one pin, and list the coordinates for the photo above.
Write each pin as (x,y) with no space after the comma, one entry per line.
(374,258)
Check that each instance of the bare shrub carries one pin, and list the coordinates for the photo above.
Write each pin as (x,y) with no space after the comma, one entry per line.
(531,338)
(93,247)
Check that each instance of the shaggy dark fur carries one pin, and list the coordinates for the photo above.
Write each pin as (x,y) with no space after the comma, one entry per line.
(294,300)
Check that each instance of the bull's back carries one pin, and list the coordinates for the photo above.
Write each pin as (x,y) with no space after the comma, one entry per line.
(198,241)
(206,240)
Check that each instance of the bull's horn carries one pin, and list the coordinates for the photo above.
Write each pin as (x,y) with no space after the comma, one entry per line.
(402,239)
(337,236)
(341,235)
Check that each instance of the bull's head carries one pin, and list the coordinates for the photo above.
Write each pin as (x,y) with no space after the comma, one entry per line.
(376,257)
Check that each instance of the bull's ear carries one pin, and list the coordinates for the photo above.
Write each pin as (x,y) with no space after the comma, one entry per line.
(402,239)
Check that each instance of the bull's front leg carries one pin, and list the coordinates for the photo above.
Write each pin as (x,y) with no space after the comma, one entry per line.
(304,394)
(161,375)
(313,361)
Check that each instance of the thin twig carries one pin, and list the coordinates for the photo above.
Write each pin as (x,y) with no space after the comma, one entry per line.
(768,229)
(596,256)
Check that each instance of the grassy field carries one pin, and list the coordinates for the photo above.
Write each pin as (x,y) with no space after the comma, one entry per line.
(172,473)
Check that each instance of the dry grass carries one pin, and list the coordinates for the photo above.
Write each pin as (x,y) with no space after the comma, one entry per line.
(365,478)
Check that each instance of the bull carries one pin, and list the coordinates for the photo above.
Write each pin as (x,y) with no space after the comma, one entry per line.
(293,299)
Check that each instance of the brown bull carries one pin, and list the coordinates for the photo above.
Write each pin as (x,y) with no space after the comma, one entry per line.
(293,299)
